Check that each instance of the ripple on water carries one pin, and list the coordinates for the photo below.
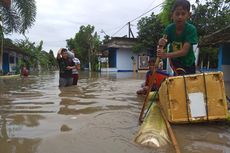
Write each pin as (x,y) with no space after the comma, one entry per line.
(99,115)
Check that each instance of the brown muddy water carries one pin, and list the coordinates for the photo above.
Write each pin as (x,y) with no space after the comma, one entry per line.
(100,115)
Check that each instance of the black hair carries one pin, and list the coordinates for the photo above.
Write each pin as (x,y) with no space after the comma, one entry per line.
(151,61)
(63,50)
(181,3)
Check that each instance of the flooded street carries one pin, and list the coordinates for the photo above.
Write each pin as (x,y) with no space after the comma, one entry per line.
(100,115)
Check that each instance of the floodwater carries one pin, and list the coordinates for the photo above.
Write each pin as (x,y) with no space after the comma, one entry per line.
(100,115)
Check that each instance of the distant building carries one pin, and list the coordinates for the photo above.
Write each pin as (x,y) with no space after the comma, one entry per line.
(120,56)
(220,39)
(10,59)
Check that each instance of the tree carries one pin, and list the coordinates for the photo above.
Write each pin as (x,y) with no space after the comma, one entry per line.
(52,60)
(211,16)
(106,39)
(16,16)
(150,29)
(38,57)
(86,44)
(165,15)
(208,18)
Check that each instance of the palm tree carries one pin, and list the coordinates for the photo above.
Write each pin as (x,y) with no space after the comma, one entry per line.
(15,16)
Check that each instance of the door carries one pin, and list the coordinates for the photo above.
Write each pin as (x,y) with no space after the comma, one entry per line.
(5,63)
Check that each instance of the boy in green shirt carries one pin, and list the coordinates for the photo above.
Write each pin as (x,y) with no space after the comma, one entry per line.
(181,36)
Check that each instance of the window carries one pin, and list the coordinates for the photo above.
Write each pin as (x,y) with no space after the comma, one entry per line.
(11,59)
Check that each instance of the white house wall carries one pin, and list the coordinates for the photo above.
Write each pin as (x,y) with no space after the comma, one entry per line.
(124,61)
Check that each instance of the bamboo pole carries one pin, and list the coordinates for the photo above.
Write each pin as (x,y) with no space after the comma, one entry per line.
(170,131)
(169,128)
(150,85)
(1,49)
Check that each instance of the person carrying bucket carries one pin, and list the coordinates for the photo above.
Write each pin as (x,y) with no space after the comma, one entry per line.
(66,65)
(181,36)
(75,75)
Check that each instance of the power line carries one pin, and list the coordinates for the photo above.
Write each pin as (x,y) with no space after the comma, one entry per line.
(138,18)
(119,29)
(149,6)
(147,12)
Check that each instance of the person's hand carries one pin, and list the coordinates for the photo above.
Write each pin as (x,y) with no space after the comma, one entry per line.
(160,48)
(160,52)
(162,42)
(69,67)
(146,87)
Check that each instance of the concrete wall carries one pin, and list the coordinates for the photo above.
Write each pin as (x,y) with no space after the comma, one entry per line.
(124,61)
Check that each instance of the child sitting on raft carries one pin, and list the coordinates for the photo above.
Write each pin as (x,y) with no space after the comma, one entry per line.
(145,86)
(159,77)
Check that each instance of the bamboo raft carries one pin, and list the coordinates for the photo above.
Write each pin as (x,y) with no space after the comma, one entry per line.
(153,131)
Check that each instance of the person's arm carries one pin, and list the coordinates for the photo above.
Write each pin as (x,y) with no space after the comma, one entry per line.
(59,54)
(77,63)
(71,66)
(182,52)
(190,39)
(78,67)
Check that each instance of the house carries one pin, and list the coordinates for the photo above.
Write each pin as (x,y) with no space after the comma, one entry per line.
(120,56)
(220,39)
(10,59)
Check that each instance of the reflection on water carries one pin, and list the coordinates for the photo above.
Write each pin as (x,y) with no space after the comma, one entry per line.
(99,115)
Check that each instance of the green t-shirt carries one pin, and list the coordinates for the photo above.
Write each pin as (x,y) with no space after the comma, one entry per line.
(189,35)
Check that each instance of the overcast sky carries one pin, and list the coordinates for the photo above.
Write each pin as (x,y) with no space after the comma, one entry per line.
(58,20)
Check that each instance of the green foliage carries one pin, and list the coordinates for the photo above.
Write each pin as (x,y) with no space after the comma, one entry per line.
(165,15)
(211,16)
(85,44)
(150,30)
(209,55)
(19,17)
(106,39)
(38,57)
(52,62)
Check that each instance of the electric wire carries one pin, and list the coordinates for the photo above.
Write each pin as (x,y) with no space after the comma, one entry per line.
(138,17)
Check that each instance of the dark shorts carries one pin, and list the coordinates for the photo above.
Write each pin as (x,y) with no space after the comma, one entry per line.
(179,69)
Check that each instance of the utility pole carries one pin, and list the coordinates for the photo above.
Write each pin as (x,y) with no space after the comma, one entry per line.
(130,30)
(89,53)
(2,41)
